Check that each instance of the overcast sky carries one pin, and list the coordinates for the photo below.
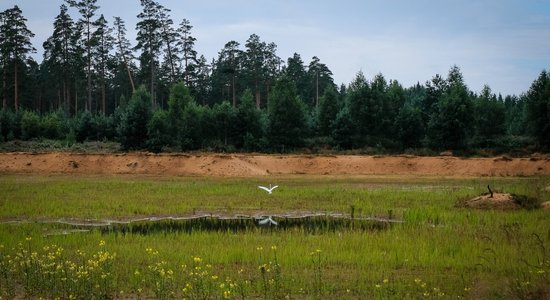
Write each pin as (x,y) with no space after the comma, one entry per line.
(502,43)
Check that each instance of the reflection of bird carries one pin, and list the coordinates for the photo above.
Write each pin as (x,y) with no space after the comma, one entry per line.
(267,222)
(268,189)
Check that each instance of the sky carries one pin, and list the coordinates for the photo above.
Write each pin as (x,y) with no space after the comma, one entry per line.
(502,43)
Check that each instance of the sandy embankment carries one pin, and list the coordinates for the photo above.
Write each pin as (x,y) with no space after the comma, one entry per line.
(258,165)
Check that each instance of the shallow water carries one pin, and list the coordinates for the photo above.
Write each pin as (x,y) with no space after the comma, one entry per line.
(307,222)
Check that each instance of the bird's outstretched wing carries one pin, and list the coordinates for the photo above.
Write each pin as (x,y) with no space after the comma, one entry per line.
(264,188)
(274,187)
(267,221)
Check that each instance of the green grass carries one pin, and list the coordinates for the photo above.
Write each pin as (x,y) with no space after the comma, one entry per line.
(440,251)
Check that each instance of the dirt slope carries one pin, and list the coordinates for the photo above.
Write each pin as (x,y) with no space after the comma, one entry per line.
(258,165)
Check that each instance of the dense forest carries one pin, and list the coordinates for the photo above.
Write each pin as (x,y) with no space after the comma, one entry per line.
(158,93)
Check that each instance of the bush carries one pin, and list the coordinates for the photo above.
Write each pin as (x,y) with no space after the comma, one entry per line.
(83,127)
(103,127)
(30,125)
(132,129)
(526,201)
(158,131)
(7,125)
(52,125)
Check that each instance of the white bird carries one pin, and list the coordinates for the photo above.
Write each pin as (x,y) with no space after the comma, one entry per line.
(267,222)
(268,189)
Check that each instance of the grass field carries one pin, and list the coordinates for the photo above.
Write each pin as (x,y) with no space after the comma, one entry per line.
(438,251)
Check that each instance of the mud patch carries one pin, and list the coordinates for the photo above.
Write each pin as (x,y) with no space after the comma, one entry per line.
(500,201)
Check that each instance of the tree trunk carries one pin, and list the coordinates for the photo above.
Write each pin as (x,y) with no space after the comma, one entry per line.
(4,93)
(89,47)
(130,76)
(103,100)
(122,52)
(16,89)
(233,86)
(75,98)
(59,98)
(172,70)
(65,97)
(258,99)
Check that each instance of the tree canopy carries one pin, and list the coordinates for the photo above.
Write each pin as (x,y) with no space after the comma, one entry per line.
(247,98)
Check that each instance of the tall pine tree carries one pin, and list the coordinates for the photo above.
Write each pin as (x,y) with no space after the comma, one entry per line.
(15,45)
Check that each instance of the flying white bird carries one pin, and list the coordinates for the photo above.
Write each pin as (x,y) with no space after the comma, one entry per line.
(267,222)
(268,189)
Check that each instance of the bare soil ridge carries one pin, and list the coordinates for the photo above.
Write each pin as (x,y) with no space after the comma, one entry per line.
(239,165)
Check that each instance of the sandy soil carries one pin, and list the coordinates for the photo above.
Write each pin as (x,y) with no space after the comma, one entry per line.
(259,165)
(497,201)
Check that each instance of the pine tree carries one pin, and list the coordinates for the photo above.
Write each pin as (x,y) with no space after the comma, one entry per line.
(103,44)
(319,77)
(327,111)
(296,71)
(149,40)
(226,71)
(169,38)
(124,52)
(451,121)
(87,9)
(287,119)
(15,45)
(260,66)
(537,109)
(186,45)
(58,56)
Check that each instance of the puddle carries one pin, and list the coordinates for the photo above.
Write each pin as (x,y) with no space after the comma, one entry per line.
(310,223)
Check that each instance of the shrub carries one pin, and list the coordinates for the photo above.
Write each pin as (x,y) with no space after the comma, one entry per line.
(526,201)
(30,125)
(52,125)
(103,127)
(83,127)
(132,129)
(7,125)
(157,131)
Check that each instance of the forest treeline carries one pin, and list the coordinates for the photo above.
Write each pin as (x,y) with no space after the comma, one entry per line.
(158,93)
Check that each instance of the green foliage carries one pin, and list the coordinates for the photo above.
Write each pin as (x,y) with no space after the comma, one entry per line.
(358,101)
(343,129)
(76,68)
(132,129)
(537,109)
(158,131)
(328,109)
(223,117)
(248,123)
(84,127)
(526,202)
(30,125)
(8,124)
(451,122)
(180,99)
(409,126)
(193,126)
(52,125)
(287,120)
(489,118)
(103,127)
